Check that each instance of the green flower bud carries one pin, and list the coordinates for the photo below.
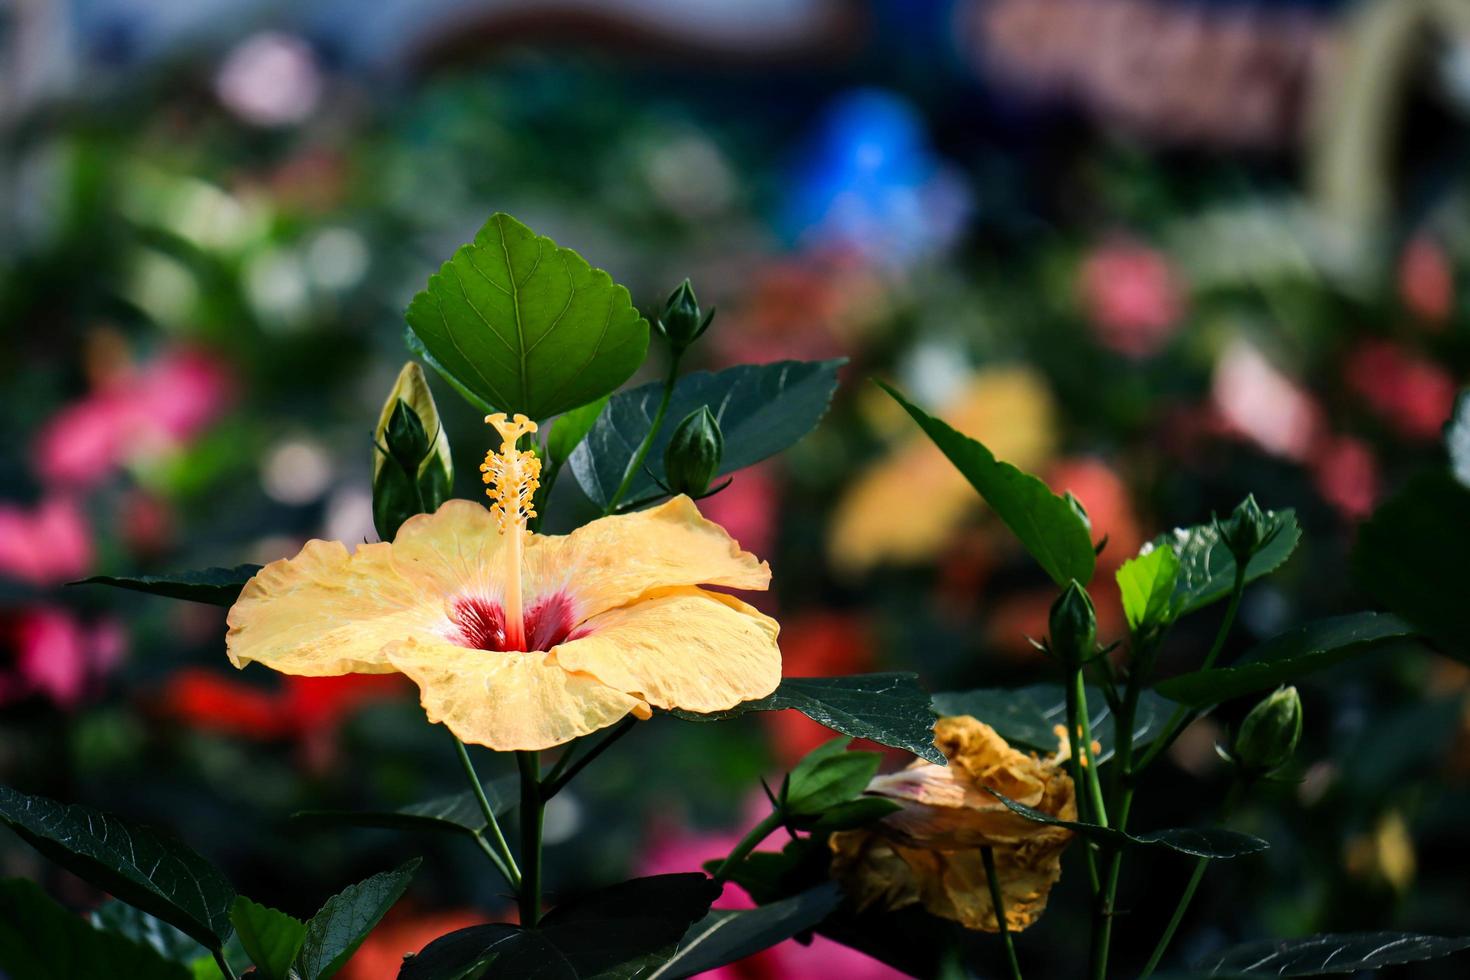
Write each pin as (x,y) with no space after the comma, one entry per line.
(1269,734)
(412,468)
(693,456)
(1246,531)
(1073,625)
(681,322)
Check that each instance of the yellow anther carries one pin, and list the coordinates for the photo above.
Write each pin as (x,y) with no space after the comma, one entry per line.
(511,475)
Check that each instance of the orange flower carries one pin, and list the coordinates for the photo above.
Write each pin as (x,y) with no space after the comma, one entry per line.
(517,640)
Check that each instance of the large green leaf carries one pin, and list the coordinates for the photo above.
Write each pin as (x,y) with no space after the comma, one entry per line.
(1286,657)
(1209,842)
(215,586)
(40,940)
(1147,585)
(144,867)
(340,926)
(1410,556)
(827,776)
(761,408)
(890,709)
(1029,717)
(1046,524)
(723,937)
(271,938)
(610,933)
(1329,953)
(526,325)
(1207,568)
(457,812)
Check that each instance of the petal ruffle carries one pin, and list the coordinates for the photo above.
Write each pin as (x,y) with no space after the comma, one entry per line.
(507,701)
(680,648)
(451,551)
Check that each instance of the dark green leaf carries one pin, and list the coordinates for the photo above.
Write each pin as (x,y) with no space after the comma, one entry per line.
(137,925)
(1315,956)
(890,709)
(829,775)
(1147,586)
(340,926)
(1035,717)
(570,428)
(144,867)
(457,812)
(594,936)
(1209,842)
(271,938)
(416,347)
(1046,524)
(1410,556)
(761,409)
(40,940)
(526,325)
(1207,568)
(215,586)
(723,937)
(1286,657)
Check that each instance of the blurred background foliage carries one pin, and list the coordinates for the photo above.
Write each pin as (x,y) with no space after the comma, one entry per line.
(1163,253)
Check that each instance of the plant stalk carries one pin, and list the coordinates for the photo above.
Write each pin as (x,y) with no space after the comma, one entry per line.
(1074,765)
(224,964)
(748,843)
(636,463)
(533,808)
(504,861)
(997,902)
(564,770)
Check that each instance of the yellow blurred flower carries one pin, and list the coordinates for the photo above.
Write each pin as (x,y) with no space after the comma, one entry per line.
(519,640)
(928,853)
(1008,409)
(1384,855)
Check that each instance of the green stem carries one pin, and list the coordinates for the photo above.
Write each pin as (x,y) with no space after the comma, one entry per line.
(1089,764)
(1074,764)
(224,964)
(636,463)
(997,902)
(495,859)
(532,811)
(505,861)
(748,843)
(563,772)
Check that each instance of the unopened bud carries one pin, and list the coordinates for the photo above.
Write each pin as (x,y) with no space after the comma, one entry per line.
(1073,625)
(693,457)
(412,468)
(1246,530)
(1269,734)
(681,321)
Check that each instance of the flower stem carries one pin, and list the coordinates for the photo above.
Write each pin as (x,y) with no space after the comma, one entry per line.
(1089,764)
(532,810)
(224,964)
(565,769)
(748,843)
(636,463)
(505,861)
(997,902)
(1074,765)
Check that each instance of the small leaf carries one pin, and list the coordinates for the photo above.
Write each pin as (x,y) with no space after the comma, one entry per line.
(139,865)
(1207,568)
(1046,524)
(215,586)
(335,932)
(1284,658)
(1321,955)
(40,940)
(761,410)
(457,812)
(1210,842)
(1147,585)
(526,325)
(890,709)
(854,813)
(828,776)
(270,938)
(570,428)
(1028,717)
(723,937)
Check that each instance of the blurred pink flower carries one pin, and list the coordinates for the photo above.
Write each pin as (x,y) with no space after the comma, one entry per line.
(1345,472)
(747,508)
(1259,403)
(55,656)
(1132,296)
(146,411)
(45,546)
(1415,395)
(270,79)
(1426,280)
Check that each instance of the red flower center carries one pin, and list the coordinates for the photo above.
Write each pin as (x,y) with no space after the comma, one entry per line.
(481,622)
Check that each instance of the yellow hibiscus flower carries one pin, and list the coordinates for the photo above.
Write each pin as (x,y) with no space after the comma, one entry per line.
(518,640)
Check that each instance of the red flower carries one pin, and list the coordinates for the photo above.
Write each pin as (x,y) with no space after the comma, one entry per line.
(1133,297)
(306,709)
(1426,280)
(1414,395)
(47,651)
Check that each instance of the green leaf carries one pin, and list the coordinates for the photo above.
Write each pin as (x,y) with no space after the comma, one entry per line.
(1209,842)
(608,934)
(457,812)
(890,709)
(1410,557)
(1207,568)
(1329,953)
(1147,584)
(854,813)
(1046,524)
(828,776)
(139,865)
(526,325)
(271,938)
(40,940)
(340,926)
(1286,657)
(139,926)
(570,428)
(416,347)
(215,586)
(723,937)
(1028,717)
(761,410)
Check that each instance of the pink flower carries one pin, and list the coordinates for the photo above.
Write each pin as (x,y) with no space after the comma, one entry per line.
(747,508)
(1345,472)
(46,546)
(1426,280)
(1258,402)
(55,656)
(1132,296)
(1415,395)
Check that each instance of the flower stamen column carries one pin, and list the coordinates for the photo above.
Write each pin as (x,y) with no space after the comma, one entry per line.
(512,477)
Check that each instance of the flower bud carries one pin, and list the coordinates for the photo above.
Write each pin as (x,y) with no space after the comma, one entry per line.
(1073,625)
(681,322)
(412,468)
(693,457)
(1269,734)
(1247,529)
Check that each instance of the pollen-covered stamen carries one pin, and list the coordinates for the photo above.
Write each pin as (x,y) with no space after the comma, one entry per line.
(512,477)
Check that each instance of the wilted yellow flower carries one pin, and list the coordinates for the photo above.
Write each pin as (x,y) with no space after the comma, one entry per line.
(928,853)
(519,640)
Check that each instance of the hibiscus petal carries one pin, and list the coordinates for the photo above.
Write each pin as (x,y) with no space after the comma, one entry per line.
(452,551)
(508,701)
(680,648)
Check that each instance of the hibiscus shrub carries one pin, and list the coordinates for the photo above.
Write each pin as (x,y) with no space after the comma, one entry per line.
(528,643)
